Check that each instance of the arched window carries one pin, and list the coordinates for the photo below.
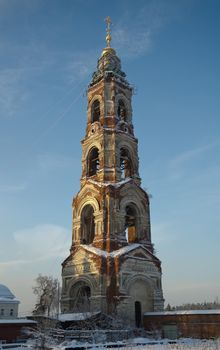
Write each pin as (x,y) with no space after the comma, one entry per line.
(125,164)
(80,294)
(130,223)
(122,113)
(93,161)
(87,225)
(95,111)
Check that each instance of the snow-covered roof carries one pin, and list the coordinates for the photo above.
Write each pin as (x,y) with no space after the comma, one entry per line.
(9,301)
(113,254)
(17,320)
(5,292)
(183,312)
(76,316)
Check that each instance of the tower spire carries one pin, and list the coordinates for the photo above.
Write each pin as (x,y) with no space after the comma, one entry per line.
(108,30)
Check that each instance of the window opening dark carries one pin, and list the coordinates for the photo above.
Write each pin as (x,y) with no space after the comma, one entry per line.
(125,164)
(87,225)
(130,224)
(93,162)
(122,113)
(95,111)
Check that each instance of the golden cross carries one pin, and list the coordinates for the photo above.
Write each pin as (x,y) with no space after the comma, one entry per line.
(108,30)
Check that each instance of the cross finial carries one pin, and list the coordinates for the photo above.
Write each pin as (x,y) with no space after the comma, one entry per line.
(108,30)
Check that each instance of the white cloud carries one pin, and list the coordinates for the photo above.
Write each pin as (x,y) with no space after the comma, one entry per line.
(43,241)
(182,161)
(80,65)
(190,154)
(132,43)
(34,250)
(51,161)
(13,188)
(45,164)
(72,70)
(133,34)
(38,243)
(12,95)
(163,231)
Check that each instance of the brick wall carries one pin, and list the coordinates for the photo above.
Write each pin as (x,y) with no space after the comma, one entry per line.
(196,325)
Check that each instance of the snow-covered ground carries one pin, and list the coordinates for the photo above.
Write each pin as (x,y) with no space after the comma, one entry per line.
(130,344)
(140,344)
(187,345)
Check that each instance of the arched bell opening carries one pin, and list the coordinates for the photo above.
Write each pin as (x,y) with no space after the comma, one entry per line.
(121,111)
(93,161)
(95,111)
(130,223)
(87,225)
(80,294)
(125,164)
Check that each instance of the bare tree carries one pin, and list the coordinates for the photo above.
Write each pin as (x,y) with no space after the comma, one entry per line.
(47,291)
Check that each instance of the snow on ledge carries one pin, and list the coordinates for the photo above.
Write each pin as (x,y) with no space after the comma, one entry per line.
(9,301)
(113,254)
(183,312)
(16,321)
(109,183)
(76,316)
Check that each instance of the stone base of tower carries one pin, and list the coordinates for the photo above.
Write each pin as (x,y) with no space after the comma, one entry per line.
(125,283)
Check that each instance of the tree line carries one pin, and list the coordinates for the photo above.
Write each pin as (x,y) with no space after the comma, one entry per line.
(211,305)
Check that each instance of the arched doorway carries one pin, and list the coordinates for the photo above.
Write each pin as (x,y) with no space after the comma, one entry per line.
(80,294)
(141,295)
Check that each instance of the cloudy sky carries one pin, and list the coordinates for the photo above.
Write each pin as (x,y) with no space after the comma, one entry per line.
(170,53)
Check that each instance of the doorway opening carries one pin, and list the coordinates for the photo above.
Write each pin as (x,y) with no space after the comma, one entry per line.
(138,314)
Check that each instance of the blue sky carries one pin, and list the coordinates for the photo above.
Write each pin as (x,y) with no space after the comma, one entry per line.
(170,53)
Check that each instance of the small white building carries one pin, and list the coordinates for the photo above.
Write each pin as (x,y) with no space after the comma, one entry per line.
(8,303)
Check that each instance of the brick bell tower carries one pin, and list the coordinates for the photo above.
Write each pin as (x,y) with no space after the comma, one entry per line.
(111,267)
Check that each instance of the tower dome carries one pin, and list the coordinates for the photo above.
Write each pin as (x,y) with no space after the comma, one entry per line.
(5,292)
(109,63)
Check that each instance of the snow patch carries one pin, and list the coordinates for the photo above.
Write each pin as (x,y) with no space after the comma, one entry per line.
(9,301)
(113,254)
(17,320)
(109,183)
(76,316)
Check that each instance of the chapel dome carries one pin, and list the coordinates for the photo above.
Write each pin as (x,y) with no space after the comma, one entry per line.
(5,292)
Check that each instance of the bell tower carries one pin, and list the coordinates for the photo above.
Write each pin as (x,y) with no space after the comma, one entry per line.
(111,267)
